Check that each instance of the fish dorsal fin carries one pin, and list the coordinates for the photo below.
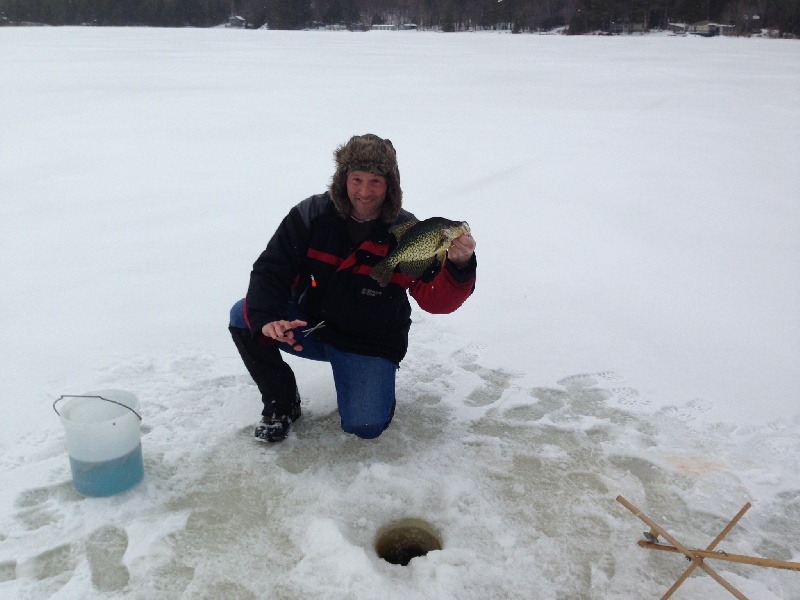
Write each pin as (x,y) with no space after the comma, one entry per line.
(398,231)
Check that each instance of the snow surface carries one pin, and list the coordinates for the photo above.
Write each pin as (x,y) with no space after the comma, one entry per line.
(635,330)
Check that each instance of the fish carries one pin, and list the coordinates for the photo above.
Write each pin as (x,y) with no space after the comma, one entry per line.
(420,244)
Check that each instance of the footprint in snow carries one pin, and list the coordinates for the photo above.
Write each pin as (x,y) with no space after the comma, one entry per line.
(52,563)
(36,506)
(688,411)
(105,548)
(8,570)
(629,397)
(496,381)
(580,380)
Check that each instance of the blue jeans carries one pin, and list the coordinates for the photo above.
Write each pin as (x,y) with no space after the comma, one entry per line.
(365,385)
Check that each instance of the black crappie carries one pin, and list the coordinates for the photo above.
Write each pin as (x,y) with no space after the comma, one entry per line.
(420,243)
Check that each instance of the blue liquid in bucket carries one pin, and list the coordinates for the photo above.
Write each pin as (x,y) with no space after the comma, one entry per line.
(108,477)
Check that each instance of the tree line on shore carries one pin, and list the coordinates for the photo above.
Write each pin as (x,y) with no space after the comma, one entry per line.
(576,16)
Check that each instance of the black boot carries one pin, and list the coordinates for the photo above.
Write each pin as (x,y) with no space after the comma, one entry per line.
(276,382)
(275,427)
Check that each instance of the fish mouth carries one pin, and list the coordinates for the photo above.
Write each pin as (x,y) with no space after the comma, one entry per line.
(457,230)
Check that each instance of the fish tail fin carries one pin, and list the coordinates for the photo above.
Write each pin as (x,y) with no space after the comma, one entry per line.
(382,272)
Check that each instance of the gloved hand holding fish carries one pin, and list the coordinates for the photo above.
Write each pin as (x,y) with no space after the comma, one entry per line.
(421,243)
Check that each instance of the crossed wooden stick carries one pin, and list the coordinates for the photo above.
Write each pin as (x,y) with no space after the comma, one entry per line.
(697,556)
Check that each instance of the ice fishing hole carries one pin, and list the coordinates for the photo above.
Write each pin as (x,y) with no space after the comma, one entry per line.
(399,542)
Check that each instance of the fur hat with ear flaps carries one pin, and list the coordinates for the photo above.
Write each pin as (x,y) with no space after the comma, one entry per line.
(374,155)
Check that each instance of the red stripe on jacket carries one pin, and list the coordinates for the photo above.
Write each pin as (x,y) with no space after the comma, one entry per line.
(325,257)
(369,246)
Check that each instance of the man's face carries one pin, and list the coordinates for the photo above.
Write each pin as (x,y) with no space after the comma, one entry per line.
(367,192)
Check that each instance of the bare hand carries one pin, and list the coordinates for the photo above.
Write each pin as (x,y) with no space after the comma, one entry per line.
(461,250)
(282,331)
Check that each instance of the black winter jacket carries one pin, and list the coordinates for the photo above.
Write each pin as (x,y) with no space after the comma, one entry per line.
(310,260)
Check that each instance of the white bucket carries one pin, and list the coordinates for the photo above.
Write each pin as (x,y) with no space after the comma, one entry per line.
(103,441)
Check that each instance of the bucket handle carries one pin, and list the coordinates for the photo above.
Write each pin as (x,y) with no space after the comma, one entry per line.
(99,397)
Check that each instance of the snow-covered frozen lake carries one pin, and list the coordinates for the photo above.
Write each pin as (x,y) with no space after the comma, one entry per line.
(635,329)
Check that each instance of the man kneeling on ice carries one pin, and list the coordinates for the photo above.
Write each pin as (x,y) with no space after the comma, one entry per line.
(313,292)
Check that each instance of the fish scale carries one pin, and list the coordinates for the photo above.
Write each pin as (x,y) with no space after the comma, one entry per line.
(420,244)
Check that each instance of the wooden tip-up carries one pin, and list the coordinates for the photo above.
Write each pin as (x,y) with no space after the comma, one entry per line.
(697,556)
(720,555)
